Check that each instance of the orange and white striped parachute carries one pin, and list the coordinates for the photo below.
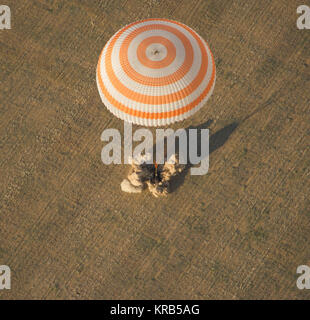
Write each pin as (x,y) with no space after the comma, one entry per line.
(155,72)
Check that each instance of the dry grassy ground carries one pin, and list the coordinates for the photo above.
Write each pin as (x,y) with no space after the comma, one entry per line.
(238,232)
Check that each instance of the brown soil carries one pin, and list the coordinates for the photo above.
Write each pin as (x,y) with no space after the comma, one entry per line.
(239,232)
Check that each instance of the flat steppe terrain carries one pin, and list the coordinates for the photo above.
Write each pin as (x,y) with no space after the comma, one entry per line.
(238,232)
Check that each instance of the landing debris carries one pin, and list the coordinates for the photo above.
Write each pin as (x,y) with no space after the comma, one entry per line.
(157,178)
